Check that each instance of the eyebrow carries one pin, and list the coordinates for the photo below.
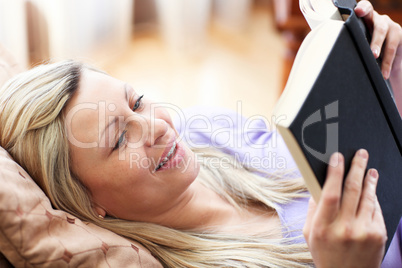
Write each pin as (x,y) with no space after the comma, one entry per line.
(116,118)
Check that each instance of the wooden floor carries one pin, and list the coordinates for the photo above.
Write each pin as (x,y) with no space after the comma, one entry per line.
(235,69)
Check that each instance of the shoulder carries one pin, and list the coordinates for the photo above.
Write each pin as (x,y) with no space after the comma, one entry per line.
(250,139)
(219,127)
(201,116)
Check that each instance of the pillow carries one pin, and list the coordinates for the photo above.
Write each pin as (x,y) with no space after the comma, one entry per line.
(32,233)
(4,263)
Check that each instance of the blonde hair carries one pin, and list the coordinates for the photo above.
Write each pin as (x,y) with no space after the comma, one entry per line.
(32,130)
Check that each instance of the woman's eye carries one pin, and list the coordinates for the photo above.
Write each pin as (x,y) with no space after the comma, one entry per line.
(138,103)
(120,141)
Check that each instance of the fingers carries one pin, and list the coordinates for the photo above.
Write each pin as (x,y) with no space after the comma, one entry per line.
(386,35)
(356,199)
(354,241)
(365,10)
(377,230)
(380,32)
(393,41)
(367,207)
(312,206)
(378,218)
(353,184)
(329,204)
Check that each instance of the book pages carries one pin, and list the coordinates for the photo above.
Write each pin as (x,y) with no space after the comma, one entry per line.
(317,11)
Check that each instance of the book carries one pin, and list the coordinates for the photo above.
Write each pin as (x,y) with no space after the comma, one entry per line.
(336,100)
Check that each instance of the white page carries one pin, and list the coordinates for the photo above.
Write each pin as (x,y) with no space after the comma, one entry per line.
(317,11)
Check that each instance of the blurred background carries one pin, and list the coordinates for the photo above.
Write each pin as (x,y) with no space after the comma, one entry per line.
(231,53)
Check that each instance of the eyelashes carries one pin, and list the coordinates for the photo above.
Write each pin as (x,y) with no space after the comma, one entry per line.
(137,105)
(120,141)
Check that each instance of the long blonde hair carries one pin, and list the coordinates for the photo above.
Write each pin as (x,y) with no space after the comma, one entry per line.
(32,130)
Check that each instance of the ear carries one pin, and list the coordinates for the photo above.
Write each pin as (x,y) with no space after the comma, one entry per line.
(100,211)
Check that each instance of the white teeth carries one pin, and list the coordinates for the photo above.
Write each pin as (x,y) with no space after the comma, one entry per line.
(170,153)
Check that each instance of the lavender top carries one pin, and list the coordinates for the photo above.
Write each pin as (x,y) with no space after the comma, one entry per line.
(252,142)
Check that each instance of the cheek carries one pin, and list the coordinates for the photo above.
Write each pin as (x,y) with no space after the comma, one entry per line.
(136,163)
(190,166)
(126,173)
(124,193)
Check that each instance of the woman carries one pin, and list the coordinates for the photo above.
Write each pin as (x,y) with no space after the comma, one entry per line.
(109,156)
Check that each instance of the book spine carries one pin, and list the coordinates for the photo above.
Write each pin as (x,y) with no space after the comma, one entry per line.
(382,90)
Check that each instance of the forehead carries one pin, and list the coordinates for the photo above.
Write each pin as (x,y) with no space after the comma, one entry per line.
(96,86)
(98,96)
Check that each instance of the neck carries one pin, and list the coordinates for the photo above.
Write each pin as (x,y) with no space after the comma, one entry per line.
(199,208)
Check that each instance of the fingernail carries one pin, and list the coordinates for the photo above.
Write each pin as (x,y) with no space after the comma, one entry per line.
(363,153)
(376,52)
(373,173)
(335,159)
(365,7)
(385,74)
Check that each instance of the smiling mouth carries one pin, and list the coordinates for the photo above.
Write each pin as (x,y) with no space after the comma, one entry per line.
(166,159)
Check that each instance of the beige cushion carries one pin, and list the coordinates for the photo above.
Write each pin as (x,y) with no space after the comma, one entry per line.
(4,263)
(34,234)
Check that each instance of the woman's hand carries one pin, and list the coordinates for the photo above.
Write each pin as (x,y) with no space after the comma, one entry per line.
(387,41)
(386,37)
(346,228)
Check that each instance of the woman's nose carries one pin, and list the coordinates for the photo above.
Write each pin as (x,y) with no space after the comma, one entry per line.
(157,129)
(145,130)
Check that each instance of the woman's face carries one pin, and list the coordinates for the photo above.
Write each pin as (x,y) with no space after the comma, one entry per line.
(124,149)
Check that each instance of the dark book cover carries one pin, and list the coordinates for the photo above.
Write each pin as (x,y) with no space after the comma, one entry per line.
(350,107)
